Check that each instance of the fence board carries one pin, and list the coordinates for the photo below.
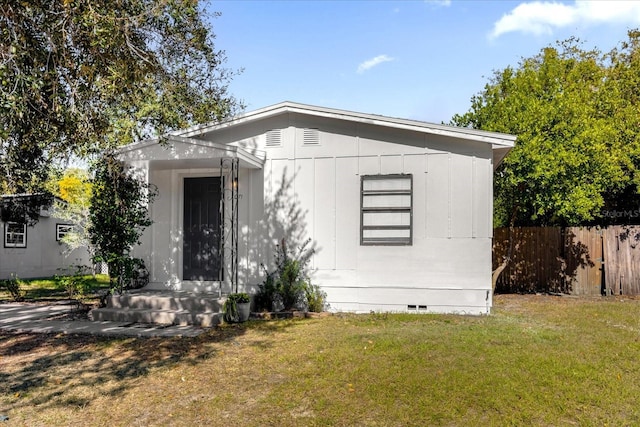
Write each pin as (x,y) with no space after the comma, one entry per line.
(622,260)
(535,264)
(584,258)
(549,259)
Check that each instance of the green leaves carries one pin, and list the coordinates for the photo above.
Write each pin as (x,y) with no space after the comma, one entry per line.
(575,114)
(80,77)
(24,208)
(119,214)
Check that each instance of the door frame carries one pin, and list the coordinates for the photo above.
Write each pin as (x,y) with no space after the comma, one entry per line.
(178,225)
(217,244)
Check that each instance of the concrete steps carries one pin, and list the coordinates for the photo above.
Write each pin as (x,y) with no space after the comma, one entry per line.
(162,307)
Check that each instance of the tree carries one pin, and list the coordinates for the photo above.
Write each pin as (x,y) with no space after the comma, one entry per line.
(119,214)
(79,77)
(73,190)
(574,112)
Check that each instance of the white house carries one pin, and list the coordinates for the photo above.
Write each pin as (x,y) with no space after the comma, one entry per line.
(38,250)
(399,211)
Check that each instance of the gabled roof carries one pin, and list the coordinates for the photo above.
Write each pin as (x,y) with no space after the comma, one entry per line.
(497,140)
(189,152)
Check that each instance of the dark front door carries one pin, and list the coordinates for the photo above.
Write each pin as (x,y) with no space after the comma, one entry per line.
(201,260)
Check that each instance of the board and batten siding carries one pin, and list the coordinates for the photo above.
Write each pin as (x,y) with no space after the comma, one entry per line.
(448,266)
(304,180)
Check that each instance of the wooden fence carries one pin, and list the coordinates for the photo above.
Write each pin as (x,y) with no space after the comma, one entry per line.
(572,260)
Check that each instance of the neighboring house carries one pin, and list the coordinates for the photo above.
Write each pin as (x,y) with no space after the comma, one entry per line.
(37,251)
(398,211)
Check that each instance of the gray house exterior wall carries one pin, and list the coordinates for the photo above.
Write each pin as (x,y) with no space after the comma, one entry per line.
(43,255)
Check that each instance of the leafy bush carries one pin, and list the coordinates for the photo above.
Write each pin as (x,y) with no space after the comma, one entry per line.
(267,297)
(316,298)
(119,214)
(289,286)
(12,285)
(290,283)
(135,273)
(75,284)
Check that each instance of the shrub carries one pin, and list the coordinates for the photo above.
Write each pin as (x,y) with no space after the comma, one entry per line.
(289,285)
(316,298)
(75,284)
(135,274)
(12,285)
(267,297)
(119,214)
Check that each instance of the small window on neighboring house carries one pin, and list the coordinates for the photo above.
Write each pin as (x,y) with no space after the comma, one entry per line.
(15,235)
(274,138)
(62,230)
(386,210)
(311,137)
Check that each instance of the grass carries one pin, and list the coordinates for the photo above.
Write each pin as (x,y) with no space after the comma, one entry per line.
(538,360)
(48,289)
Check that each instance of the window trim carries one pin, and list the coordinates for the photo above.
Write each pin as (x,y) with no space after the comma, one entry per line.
(23,233)
(60,225)
(386,241)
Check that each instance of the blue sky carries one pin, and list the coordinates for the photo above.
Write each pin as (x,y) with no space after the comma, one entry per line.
(418,60)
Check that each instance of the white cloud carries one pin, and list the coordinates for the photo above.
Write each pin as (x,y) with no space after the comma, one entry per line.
(443,3)
(543,17)
(370,63)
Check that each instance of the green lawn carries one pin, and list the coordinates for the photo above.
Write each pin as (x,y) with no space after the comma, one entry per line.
(538,360)
(47,289)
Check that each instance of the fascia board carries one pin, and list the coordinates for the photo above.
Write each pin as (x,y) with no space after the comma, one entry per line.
(493,138)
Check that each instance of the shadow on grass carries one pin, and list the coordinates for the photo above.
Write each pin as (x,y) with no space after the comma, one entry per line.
(51,370)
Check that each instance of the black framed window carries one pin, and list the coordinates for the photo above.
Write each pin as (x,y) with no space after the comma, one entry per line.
(386,209)
(15,235)
(62,230)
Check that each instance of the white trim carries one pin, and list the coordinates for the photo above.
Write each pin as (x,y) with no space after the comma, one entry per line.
(254,159)
(15,234)
(60,234)
(496,139)
(177,223)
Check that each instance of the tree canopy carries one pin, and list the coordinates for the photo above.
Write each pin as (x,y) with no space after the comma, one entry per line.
(78,77)
(577,118)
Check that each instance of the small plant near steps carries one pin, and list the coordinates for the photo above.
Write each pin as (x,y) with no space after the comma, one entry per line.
(237,308)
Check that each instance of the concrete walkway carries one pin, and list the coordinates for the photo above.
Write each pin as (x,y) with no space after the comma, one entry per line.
(24,317)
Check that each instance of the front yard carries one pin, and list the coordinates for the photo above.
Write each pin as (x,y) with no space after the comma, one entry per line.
(538,360)
(86,288)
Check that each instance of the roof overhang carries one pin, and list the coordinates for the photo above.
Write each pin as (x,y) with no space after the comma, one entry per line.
(494,138)
(501,143)
(499,153)
(184,148)
(177,152)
